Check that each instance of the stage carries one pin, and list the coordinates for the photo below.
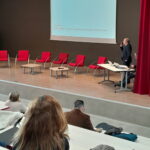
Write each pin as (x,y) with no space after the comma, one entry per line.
(81,83)
(130,110)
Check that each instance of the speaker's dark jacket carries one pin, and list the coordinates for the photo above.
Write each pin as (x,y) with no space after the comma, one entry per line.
(126,54)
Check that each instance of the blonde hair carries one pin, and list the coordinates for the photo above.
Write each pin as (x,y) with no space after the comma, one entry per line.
(44,126)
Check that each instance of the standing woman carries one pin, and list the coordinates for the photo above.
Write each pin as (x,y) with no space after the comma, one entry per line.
(43,128)
(126,48)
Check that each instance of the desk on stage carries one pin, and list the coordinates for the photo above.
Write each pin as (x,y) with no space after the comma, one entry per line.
(59,69)
(31,67)
(119,68)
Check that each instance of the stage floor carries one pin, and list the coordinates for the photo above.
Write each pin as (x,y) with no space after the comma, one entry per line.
(80,83)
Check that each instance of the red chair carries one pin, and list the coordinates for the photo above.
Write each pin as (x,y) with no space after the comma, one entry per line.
(62,59)
(79,62)
(101,60)
(45,58)
(23,55)
(4,56)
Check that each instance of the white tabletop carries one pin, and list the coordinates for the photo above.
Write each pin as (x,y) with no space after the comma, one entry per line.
(111,67)
(59,68)
(31,65)
(1,148)
(82,139)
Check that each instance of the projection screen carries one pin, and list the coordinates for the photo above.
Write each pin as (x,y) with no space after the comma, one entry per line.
(83,20)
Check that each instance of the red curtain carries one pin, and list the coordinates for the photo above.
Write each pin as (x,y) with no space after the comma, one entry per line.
(142,80)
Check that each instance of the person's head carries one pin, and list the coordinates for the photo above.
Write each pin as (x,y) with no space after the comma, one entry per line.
(43,127)
(79,104)
(126,41)
(14,96)
(103,147)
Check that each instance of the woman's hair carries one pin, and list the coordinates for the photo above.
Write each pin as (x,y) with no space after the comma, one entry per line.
(43,127)
(14,96)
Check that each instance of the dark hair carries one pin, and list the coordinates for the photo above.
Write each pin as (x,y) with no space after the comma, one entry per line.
(78,103)
(14,96)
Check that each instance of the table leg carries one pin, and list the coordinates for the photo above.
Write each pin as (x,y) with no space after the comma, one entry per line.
(106,79)
(123,75)
(126,79)
(56,74)
(51,73)
(24,70)
(40,69)
(108,73)
(61,72)
(104,74)
(31,71)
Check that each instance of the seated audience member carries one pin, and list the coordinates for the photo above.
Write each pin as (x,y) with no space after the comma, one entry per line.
(14,103)
(43,127)
(103,147)
(78,118)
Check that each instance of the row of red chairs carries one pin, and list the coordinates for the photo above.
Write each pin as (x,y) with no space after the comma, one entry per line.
(24,55)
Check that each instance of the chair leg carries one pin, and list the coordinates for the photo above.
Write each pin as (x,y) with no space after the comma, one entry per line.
(88,70)
(51,64)
(75,70)
(8,63)
(94,72)
(44,65)
(15,62)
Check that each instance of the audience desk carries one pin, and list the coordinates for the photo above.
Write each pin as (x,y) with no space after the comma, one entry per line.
(3,106)
(82,139)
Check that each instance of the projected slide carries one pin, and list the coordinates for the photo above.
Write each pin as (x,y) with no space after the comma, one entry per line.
(83,20)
